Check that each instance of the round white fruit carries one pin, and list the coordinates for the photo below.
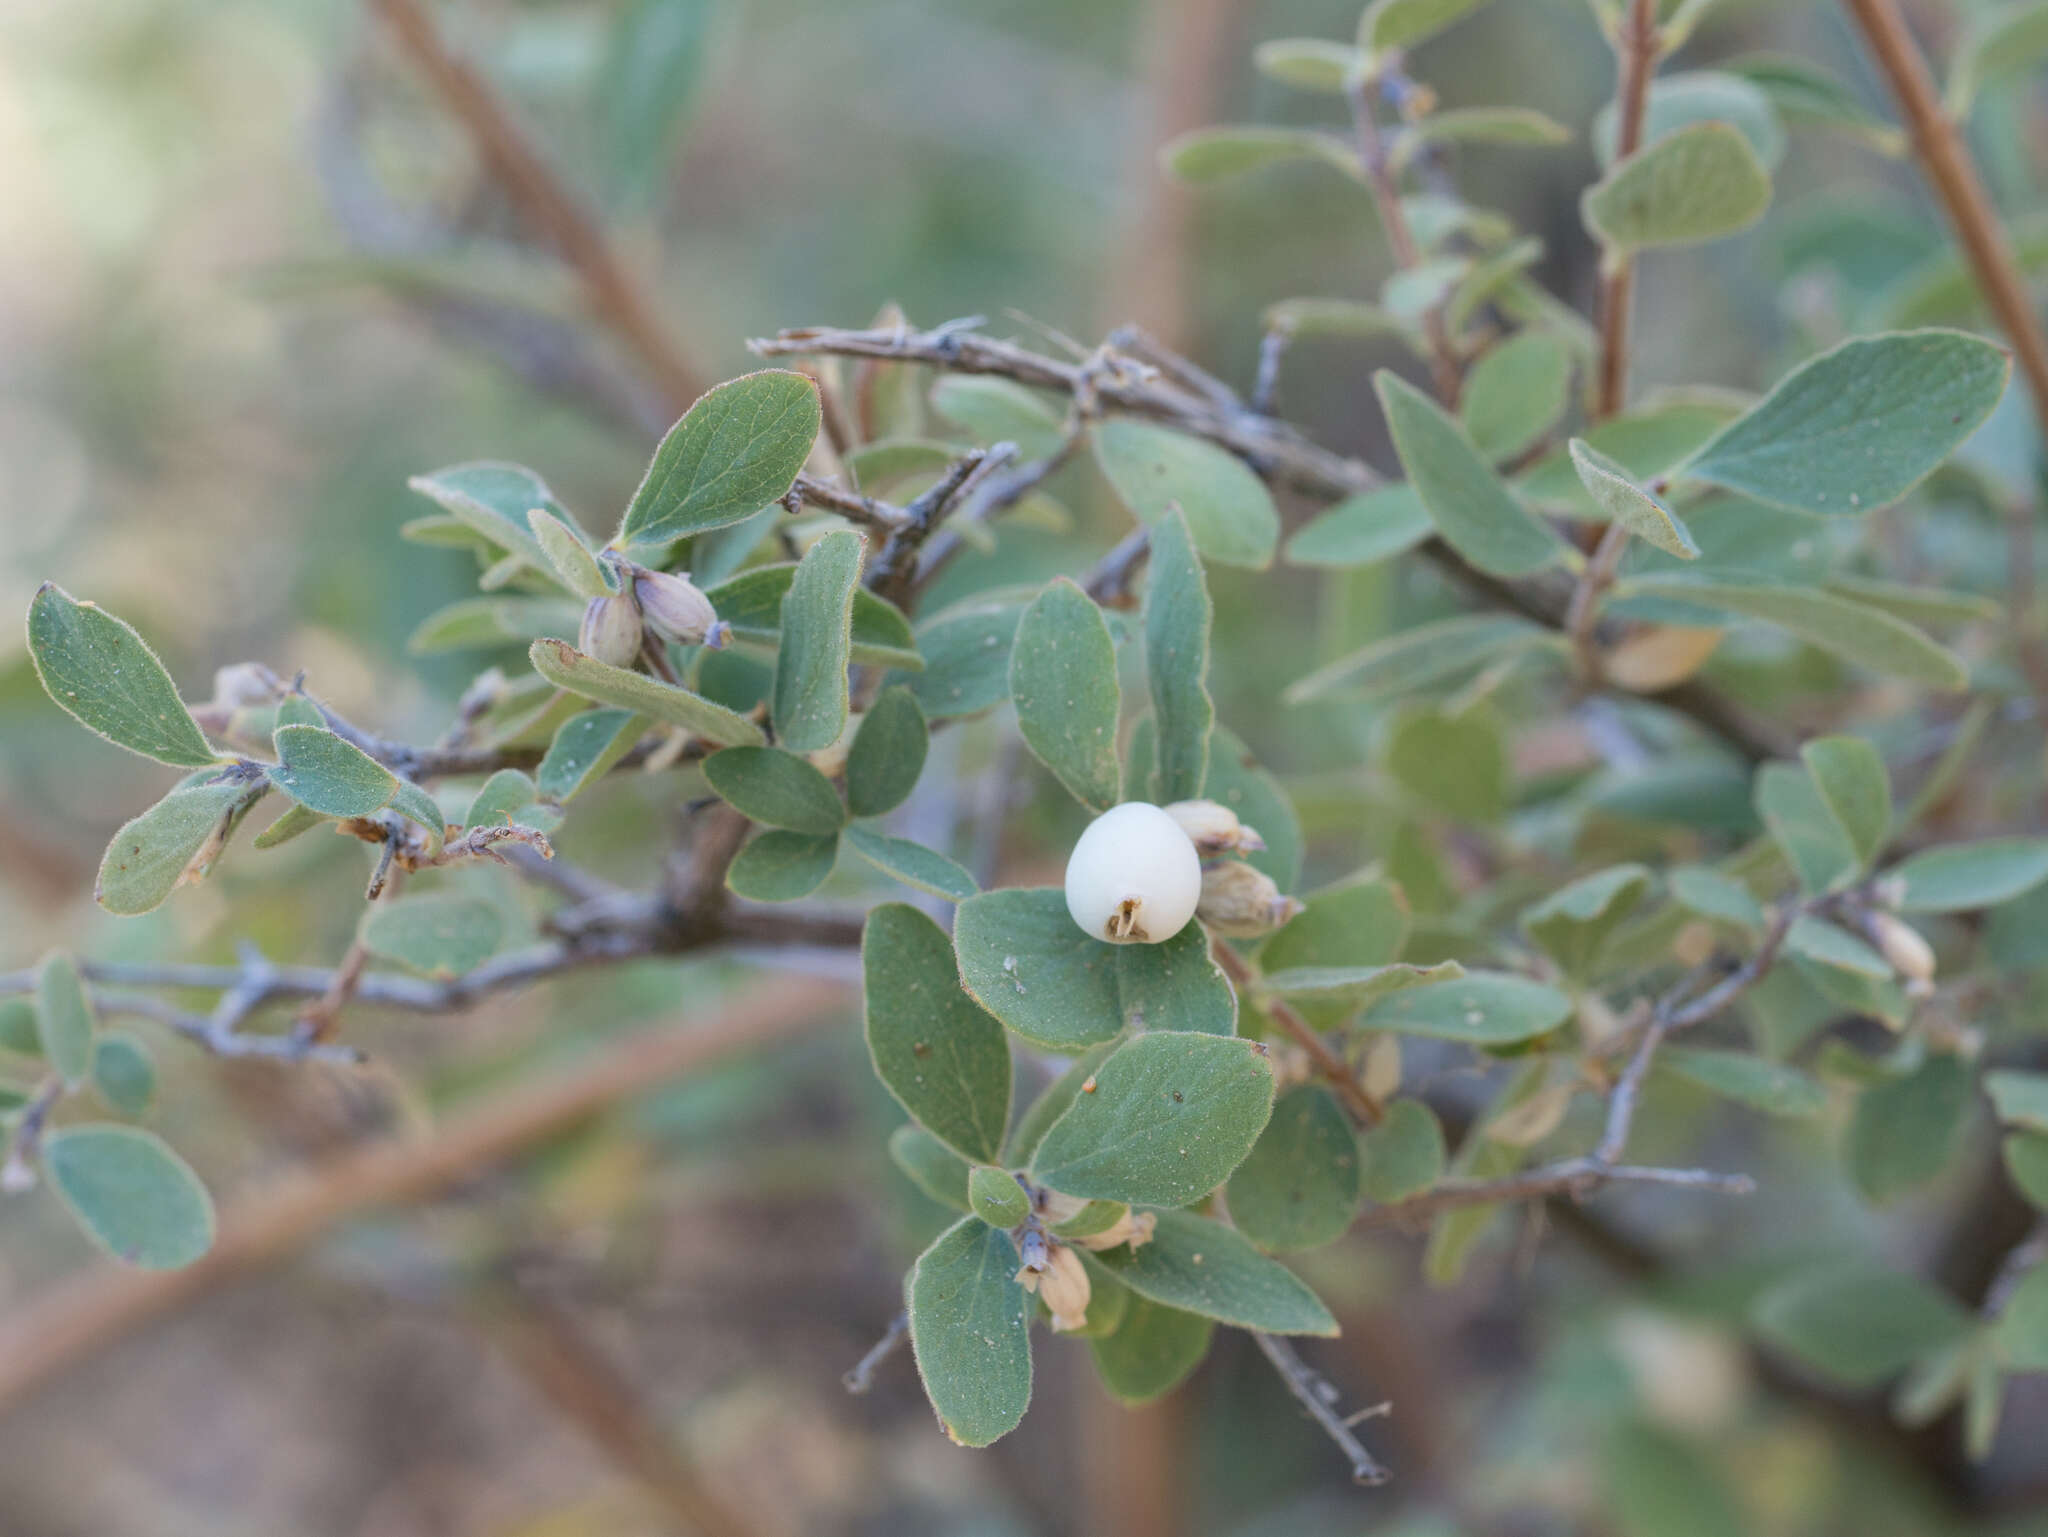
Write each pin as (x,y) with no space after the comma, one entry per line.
(1134,876)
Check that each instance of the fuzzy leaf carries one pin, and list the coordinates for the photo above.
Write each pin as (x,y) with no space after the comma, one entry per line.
(501,798)
(1417,657)
(493,500)
(1404,1155)
(1151,1352)
(1700,183)
(1516,393)
(810,699)
(1483,1008)
(123,1073)
(1404,23)
(64,1019)
(776,788)
(1859,426)
(751,603)
(911,863)
(1573,923)
(943,1058)
(887,755)
(1475,513)
(1854,1323)
(1628,504)
(1850,776)
(1852,631)
(1063,681)
(781,866)
(333,777)
(1177,619)
(584,750)
(568,556)
(1203,1267)
(996,411)
(1906,1130)
(1962,877)
(134,1196)
(103,674)
(968,1331)
(1214,154)
(1771,1087)
(566,667)
(1171,1115)
(1804,826)
(966,659)
(1362,530)
(440,935)
(1309,63)
(1228,509)
(737,449)
(1299,1187)
(147,858)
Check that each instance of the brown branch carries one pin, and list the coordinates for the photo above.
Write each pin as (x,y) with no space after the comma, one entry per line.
(545,201)
(1362,1105)
(1384,184)
(84,1314)
(1938,144)
(1636,51)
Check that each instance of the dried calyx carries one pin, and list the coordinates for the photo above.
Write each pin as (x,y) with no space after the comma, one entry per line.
(1242,902)
(1215,829)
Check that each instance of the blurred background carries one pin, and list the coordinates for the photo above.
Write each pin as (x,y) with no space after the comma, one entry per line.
(253,274)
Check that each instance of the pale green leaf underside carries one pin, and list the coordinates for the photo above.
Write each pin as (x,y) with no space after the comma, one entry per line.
(136,1198)
(103,674)
(1700,183)
(810,700)
(566,667)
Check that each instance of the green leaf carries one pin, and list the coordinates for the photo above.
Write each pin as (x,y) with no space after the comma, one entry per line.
(935,1050)
(1171,1115)
(1235,779)
(737,449)
(911,863)
(1700,183)
(1351,988)
(1660,1483)
(1026,961)
(1404,23)
(1299,1186)
(2022,1332)
(149,856)
(1573,923)
(568,556)
(995,1196)
(1855,1323)
(123,1073)
(296,819)
(1850,775)
(966,659)
(1358,926)
(1515,393)
(1771,1087)
(782,866)
(1804,826)
(585,749)
(1483,1008)
(493,499)
(1962,877)
(2026,1161)
(1420,656)
(887,754)
(566,667)
(1999,44)
(968,1331)
(1151,1352)
(1860,425)
(1203,1267)
(1477,125)
(415,804)
(1050,1105)
(1907,1130)
(1362,530)
(1063,681)
(810,700)
(775,788)
(1475,513)
(1352,318)
(1711,894)
(440,935)
(1228,509)
(135,1197)
(751,603)
(654,67)
(997,411)
(1852,631)
(2021,1099)
(333,777)
(500,800)
(1178,614)
(1214,154)
(1916,605)
(1404,1155)
(1455,764)
(1309,63)
(930,1165)
(1628,504)
(475,623)
(64,1019)
(1821,941)
(19,1030)
(1701,96)
(103,674)
(1802,93)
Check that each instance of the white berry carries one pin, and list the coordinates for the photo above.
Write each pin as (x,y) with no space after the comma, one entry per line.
(1134,876)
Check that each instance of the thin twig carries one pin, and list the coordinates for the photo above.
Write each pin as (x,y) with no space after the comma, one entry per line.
(1582,618)
(1384,183)
(1636,49)
(83,1314)
(545,200)
(1109,583)
(862,1376)
(1362,1105)
(18,1170)
(1316,1394)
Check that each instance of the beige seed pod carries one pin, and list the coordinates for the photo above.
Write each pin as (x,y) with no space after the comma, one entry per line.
(1903,945)
(1242,902)
(1133,1228)
(611,630)
(1064,1287)
(1215,828)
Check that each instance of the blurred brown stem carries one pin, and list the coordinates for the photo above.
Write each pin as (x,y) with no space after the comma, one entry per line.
(545,201)
(1636,51)
(85,1314)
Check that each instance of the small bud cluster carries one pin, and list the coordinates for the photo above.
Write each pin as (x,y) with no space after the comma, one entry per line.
(614,628)
(1052,1268)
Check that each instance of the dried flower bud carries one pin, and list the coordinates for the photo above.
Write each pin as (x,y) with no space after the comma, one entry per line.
(1134,877)
(1215,828)
(676,608)
(1902,944)
(1242,902)
(1133,1228)
(611,630)
(1063,1284)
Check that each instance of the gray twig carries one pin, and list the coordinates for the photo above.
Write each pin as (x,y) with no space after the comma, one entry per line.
(1320,1398)
(862,1377)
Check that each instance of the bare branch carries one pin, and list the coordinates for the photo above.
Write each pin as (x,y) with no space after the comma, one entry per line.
(862,1376)
(1320,1398)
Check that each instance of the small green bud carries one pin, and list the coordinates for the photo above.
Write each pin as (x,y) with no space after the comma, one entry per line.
(996,1197)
